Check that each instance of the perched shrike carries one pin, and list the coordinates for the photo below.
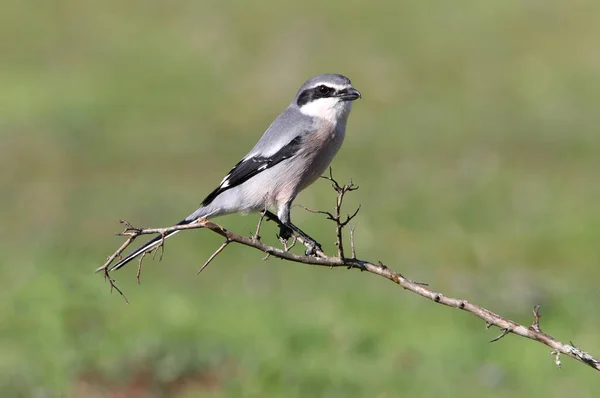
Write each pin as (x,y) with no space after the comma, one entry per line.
(294,151)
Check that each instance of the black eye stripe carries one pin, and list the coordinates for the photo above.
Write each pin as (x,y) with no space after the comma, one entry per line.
(314,93)
(323,90)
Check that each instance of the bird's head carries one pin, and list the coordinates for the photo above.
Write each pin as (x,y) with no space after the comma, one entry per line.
(326,97)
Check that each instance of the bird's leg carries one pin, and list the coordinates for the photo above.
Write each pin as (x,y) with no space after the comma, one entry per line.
(311,245)
(287,229)
(285,232)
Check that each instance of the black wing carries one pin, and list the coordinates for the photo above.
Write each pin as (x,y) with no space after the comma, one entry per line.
(248,168)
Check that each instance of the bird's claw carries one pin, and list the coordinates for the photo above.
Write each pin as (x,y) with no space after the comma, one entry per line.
(285,232)
(312,247)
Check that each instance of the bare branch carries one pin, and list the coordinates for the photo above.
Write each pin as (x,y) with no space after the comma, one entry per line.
(350,217)
(504,333)
(352,241)
(536,323)
(113,285)
(328,214)
(215,254)
(139,270)
(256,235)
(118,252)
(133,233)
(287,247)
(160,246)
(336,215)
(556,358)
(507,326)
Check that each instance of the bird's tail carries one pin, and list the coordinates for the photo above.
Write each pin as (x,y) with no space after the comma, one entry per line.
(151,244)
(202,212)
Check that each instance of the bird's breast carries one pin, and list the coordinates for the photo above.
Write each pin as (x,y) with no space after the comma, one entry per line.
(320,149)
(326,138)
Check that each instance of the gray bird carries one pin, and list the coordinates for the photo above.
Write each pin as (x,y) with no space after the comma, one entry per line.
(294,151)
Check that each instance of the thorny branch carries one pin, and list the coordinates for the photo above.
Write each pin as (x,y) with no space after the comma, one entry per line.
(507,326)
(215,254)
(336,217)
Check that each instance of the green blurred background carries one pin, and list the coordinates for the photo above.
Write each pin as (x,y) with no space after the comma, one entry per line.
(476,148)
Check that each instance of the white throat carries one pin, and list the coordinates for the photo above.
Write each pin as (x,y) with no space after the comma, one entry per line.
(333,110)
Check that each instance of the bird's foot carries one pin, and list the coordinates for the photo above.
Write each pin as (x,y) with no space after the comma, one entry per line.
(285,232)
(312,246)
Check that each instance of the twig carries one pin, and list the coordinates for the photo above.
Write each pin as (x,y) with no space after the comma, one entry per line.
(321,259)
(285,245)
(504,333)
(256,235)
(557,361)
(133,233)
(118,252)
(160,246)
(352,241)
(337,210)
(139,270)
(113,285)
(328,214)
(215,254)
(536,323)
(350,217)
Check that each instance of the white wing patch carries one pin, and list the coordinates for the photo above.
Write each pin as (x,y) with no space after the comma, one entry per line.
(249,167)
(225,181)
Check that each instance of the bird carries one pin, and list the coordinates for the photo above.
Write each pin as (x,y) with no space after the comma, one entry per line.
(292,154)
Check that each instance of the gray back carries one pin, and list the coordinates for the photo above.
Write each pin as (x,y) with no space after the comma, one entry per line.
(291,122)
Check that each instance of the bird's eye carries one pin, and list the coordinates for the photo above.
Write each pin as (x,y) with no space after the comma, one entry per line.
(323,90)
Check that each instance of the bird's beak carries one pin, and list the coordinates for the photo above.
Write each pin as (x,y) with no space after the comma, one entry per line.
(350,94)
